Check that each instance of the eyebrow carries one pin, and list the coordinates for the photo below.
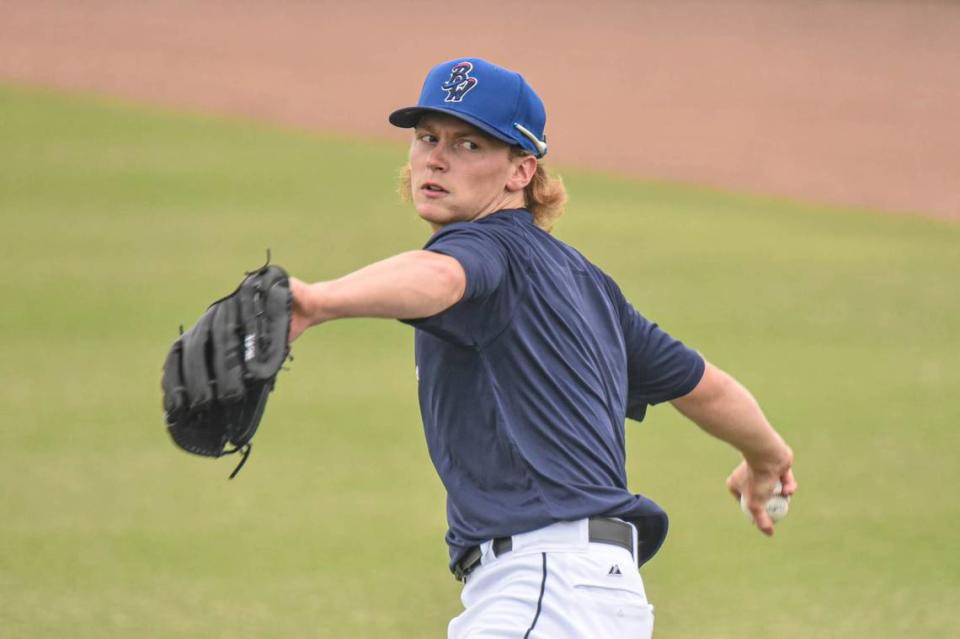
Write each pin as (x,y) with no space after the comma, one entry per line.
(459,132)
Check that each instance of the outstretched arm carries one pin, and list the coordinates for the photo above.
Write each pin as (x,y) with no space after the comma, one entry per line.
(724,408)
(406,286)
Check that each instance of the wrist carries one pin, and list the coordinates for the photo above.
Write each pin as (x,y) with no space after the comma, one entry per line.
(318,303)
(773,459)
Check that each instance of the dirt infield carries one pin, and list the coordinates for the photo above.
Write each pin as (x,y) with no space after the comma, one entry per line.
(848,102)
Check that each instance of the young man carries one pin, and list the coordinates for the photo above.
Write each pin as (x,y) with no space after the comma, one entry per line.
(529,359)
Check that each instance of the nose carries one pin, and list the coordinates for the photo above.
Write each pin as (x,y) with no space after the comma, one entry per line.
(437,159)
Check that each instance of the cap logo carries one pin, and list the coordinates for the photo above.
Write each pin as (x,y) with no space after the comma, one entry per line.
(459,83)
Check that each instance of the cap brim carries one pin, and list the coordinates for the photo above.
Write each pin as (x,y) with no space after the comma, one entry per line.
(407,118)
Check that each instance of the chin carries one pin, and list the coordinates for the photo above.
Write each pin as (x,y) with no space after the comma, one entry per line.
(435,214)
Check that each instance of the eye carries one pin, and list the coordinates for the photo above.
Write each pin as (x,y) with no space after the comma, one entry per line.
(470,145)
(429,138)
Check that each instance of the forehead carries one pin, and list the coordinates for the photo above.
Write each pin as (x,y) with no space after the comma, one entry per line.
(443,123)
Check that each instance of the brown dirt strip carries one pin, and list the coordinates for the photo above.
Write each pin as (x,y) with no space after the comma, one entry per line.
(849,102)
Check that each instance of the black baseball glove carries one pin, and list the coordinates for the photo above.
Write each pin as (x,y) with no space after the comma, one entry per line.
(218,374)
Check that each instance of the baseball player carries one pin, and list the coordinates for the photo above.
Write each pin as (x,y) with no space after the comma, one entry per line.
(529,359)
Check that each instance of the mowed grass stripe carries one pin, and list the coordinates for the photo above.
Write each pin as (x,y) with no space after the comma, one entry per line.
(121,222)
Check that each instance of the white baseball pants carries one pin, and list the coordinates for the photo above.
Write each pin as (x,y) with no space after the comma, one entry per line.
(555,584)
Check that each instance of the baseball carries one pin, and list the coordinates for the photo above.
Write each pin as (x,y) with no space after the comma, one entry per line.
(777,506)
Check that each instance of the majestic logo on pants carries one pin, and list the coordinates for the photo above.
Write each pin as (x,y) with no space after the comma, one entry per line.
(459,83)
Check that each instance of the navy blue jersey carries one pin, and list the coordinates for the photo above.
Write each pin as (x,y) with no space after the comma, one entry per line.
(525,382)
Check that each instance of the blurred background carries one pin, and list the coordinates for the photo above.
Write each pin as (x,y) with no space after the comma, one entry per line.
(774,182)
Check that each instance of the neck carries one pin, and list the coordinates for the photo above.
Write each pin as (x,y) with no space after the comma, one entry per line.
(508,200)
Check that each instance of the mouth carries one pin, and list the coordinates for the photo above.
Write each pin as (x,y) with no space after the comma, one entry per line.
(432,189)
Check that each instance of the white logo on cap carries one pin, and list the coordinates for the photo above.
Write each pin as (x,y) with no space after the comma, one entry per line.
(459,83)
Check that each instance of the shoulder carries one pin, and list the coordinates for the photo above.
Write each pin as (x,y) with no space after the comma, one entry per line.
(504,230)
(465,237)
(584,264)
(602,280)
(463,230)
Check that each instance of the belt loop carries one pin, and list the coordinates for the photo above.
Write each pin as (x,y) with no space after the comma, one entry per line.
(485,547)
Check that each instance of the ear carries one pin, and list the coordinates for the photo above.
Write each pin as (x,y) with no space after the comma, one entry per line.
(524,168)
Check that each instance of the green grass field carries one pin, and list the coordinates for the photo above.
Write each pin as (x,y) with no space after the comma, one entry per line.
(120,222)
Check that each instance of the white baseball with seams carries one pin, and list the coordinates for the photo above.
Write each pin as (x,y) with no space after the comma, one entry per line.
(777,506)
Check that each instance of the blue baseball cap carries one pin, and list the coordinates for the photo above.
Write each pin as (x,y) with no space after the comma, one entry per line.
(497,101)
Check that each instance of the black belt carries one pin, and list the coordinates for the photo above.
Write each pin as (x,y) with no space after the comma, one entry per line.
(602,530)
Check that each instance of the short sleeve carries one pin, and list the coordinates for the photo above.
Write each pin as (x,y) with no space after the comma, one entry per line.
(659,367)
(485,263)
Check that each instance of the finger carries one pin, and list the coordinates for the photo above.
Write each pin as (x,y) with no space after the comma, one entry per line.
(762,519)
(732,487)
(789,483)
(735,481)
(765,487)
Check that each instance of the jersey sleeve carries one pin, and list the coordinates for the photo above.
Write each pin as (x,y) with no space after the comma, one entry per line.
(659,367)
(485,263)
